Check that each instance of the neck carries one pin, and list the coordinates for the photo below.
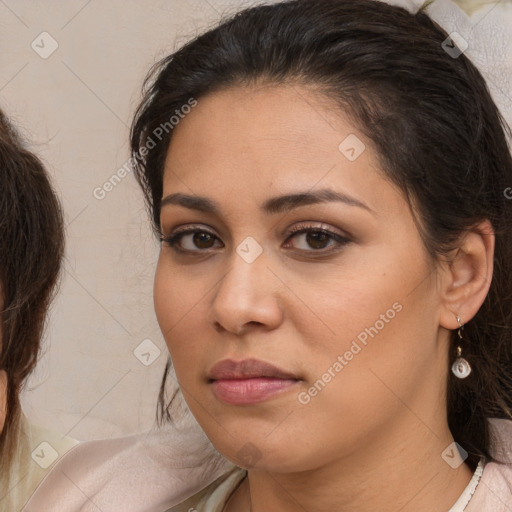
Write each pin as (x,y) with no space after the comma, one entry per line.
(408,475)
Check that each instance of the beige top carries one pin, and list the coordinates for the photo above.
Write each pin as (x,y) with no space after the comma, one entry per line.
(148,472)
(38,450)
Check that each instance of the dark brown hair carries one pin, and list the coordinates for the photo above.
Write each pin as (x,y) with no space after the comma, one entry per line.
(31,249)
(438,134)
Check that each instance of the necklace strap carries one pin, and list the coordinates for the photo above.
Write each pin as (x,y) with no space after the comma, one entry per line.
(467,494)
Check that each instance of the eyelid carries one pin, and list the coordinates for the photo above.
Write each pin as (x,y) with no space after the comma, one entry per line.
(337,240)
(179,232)
(315,226)
(186,228)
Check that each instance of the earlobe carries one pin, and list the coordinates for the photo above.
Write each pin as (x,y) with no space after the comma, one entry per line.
(467,277)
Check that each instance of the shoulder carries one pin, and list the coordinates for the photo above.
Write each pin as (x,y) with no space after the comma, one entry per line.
(151,471)
(494,491)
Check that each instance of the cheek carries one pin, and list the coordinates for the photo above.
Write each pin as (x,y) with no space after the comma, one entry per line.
(344,304)
(170,302)
(178,302)
(382,352)
(174,293)
(163,299)
(379,323)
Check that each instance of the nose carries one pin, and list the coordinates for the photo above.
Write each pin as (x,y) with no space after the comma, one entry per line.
(247,295)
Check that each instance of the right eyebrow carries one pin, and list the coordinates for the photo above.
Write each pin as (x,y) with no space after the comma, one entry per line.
(271,206)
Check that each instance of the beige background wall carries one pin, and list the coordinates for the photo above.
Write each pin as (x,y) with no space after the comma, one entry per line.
(75,106)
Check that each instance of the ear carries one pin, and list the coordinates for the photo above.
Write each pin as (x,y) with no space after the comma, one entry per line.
(466,277)
(3,398)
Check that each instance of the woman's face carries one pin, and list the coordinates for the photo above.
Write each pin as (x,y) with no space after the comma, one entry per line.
(350,314)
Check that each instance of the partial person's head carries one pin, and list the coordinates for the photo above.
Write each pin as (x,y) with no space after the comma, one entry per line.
(354,292)
(31,249)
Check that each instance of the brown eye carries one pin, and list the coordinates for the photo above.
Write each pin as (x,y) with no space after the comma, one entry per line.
(190,240)
(317,239)
(202,240)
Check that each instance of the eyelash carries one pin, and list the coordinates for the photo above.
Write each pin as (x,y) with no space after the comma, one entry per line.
(173,240)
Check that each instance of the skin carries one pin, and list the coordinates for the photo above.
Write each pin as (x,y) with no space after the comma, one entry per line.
(372,438)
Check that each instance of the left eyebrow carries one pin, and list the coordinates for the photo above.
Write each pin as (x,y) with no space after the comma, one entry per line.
(270,206)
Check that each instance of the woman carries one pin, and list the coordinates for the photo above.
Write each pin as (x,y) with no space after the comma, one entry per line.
(31,248)
(335,282)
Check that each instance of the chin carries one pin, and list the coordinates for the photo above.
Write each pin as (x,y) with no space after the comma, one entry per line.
(261,454)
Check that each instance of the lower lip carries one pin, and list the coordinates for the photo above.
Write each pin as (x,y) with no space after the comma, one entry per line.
(250,391)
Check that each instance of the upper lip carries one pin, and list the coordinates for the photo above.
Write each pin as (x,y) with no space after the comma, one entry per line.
(247,369)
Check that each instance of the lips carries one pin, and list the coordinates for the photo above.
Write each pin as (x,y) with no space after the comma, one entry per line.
(249,381)
(247,369)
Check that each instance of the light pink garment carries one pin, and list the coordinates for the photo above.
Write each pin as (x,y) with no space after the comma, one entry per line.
(494,491)
(142,473)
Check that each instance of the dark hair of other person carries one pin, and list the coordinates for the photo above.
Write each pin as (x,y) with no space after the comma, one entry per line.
(31,250)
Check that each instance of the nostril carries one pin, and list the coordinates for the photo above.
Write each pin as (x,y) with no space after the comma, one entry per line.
(220,329)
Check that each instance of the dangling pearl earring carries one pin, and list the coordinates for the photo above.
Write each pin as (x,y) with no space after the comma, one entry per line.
(460,368)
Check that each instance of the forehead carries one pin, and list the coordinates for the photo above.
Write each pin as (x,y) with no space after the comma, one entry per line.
(260,140)
(286,117)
